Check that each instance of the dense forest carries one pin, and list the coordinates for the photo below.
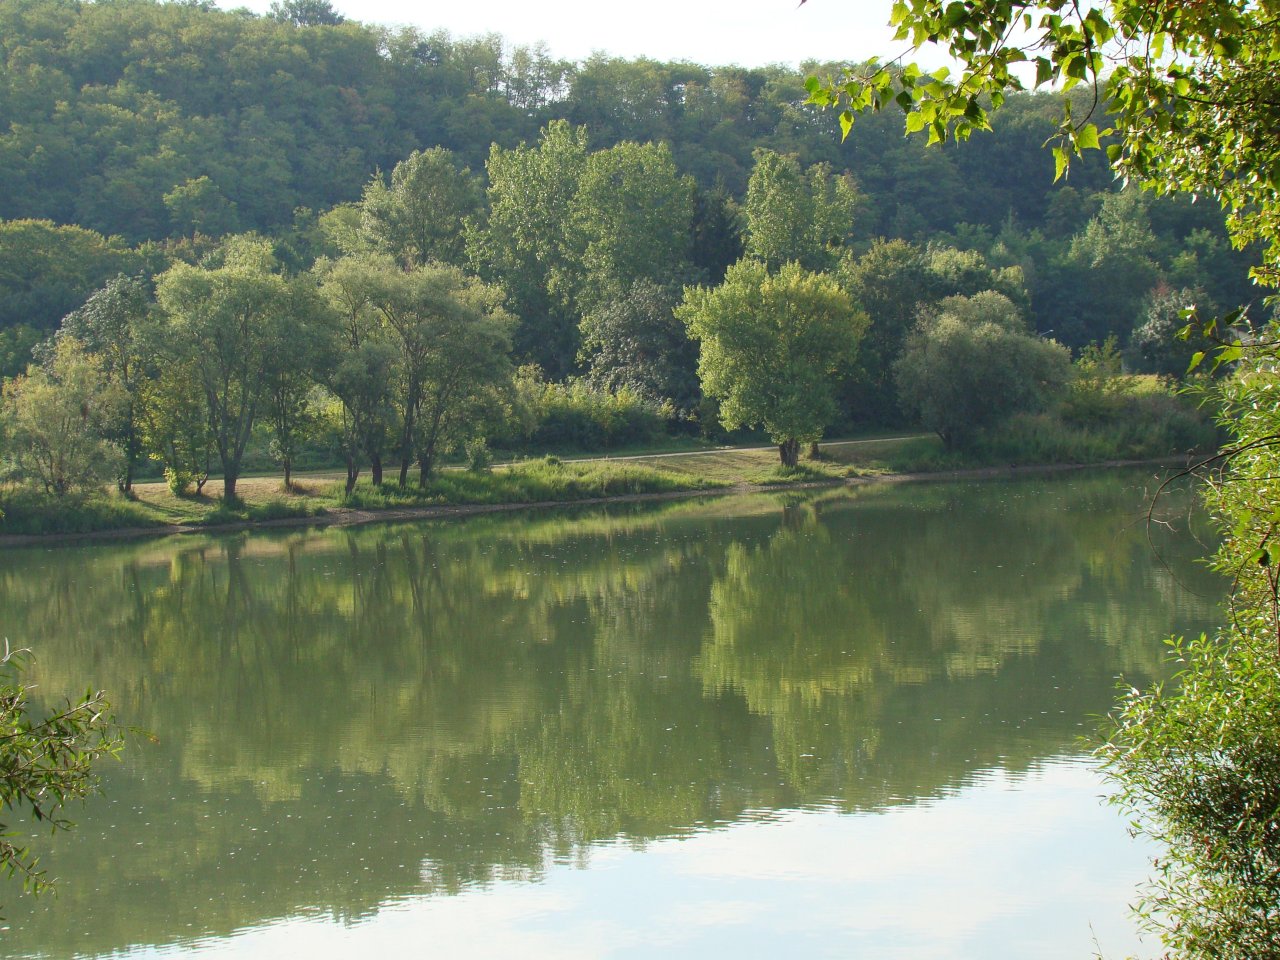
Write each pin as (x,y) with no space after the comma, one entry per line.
(564,208)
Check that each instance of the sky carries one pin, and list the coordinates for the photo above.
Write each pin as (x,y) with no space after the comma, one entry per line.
(748,33)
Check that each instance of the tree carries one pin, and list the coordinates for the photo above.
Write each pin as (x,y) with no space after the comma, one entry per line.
(523,245)
(357,363)
(1187,89)
(470,361)
(47,271)
(630,219)
(971,363)
(1155,346)
(794,214)
(198,206)
(110,326)
(46,761)
(55,418)
(420,216)
(229,317)
(306,13)
(174,422)
(1190,91)
(635,341)
(771,346)
(453,341)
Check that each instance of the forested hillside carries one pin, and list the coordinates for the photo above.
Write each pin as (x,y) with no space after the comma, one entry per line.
(577,201)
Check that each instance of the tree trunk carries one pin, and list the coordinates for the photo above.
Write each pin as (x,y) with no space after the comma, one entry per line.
(789,452)
(814,452)
(353,472)
(405,460)
(375,468)
(288,474)
(229,488)
(426,461)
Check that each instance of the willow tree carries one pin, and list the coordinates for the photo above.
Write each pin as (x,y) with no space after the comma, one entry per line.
(231,319)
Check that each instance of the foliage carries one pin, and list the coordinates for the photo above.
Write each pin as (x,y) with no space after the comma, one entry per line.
(1157,345)
(47,271)
(55,418)
(634,341)
(523,246)
(111,325)
(420,216)
(479,458)
(579,416)
(175,425)
(1195,761)
(47,761)
(972,364)
(771,346)
(227,319)
(629,220)
(793,214)
(1098,389)
(28,512)
(1187,89)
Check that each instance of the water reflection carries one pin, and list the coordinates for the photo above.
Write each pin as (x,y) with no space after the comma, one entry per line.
(350,718)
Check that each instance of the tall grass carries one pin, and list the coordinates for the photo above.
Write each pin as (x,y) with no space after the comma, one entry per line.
(532,482)
(28,512)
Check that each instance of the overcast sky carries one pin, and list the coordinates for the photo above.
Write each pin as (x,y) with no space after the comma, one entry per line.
(711,32)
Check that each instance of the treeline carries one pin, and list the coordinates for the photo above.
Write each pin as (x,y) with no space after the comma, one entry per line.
(394,195)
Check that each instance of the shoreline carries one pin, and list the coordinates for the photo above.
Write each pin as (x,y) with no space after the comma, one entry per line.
(354,516)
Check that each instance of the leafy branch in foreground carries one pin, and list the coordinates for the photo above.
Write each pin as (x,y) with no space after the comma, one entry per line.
(1184,96)
(45,762)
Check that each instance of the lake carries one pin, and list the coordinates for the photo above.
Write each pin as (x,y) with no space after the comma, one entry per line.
(836,723)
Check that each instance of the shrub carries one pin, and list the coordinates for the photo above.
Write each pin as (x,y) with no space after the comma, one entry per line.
(477,455)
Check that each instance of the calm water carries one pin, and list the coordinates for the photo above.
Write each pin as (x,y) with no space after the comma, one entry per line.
(845,724)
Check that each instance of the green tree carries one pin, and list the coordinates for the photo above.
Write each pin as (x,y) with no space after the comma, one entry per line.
(420,216)
(357,363)
(1197,761)
(56,417)
(174,419)
(111,325)
(1185,88)
(452,340)
(47,271)
(636,341)
(229,317)
(198,206)
(771,347)
(306,13)
(795,214)
(523,245)
(971,362)
(630,219)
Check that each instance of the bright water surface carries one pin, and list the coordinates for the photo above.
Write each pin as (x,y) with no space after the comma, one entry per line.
(829,725)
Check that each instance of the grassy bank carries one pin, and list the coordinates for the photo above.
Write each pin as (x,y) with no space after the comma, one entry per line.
(1022,442)
(322,494)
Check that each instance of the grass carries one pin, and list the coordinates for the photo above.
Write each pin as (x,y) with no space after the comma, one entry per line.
(1154,424)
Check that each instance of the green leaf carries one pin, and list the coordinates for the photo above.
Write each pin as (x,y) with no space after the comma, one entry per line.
(1060,161)
(1087,137)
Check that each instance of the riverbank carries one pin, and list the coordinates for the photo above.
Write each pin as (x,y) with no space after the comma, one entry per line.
(318,498)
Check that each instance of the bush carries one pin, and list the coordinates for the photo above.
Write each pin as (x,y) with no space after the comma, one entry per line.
(577,416)
(179,481)
(477,455)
